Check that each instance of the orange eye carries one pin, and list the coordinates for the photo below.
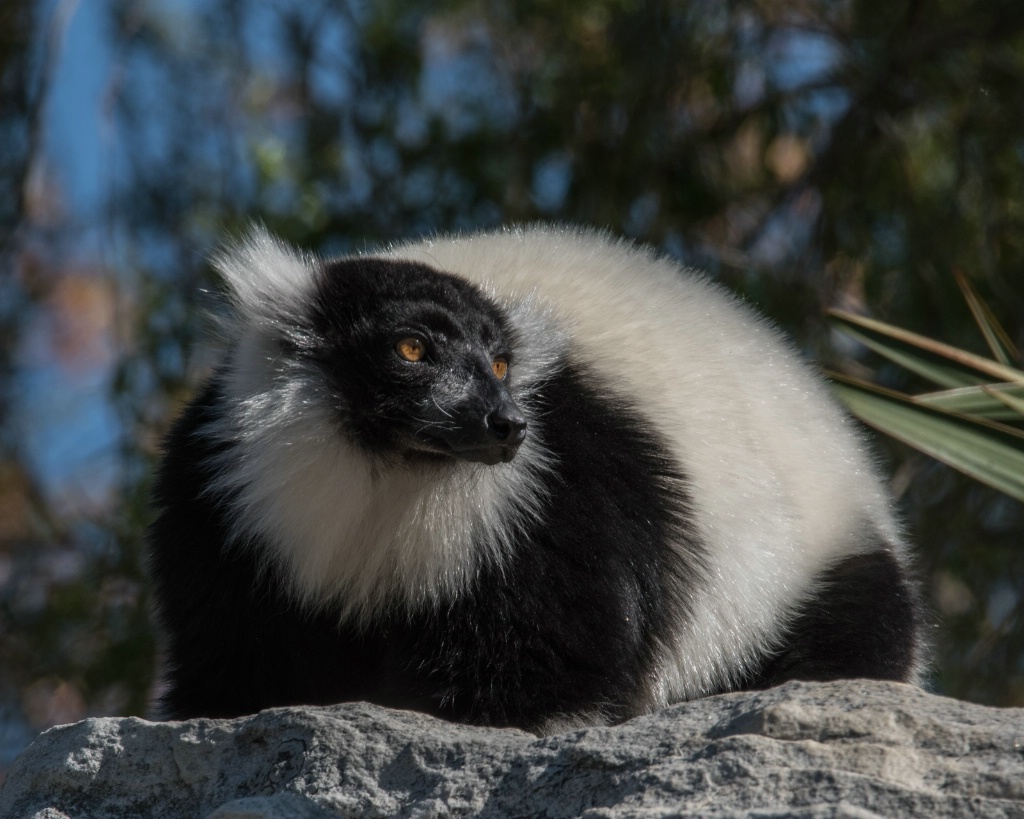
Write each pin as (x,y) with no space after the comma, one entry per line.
(411,349)
(500,367)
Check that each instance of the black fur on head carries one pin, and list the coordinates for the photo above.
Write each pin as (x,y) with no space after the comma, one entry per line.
(419,360)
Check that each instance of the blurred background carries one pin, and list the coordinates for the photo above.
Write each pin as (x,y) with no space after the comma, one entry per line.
(807,153)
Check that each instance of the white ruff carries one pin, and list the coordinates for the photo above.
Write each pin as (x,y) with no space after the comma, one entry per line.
(350,531)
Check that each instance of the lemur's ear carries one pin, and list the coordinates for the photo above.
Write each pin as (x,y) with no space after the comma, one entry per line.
(267,280)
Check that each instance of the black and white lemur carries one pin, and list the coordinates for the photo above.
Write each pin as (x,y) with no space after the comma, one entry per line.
(534,478)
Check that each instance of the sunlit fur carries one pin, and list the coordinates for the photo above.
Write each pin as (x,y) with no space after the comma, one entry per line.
(780,486)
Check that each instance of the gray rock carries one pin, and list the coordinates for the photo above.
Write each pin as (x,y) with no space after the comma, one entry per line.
(847,749)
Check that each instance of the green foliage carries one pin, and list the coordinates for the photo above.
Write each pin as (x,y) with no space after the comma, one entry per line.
(975,424)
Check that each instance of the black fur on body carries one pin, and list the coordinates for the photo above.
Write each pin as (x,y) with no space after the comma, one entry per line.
(564,612)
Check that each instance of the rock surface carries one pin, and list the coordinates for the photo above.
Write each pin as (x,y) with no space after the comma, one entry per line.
(846,749)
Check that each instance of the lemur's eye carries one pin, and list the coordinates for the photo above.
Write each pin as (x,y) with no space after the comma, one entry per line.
(411,348)
(500,367)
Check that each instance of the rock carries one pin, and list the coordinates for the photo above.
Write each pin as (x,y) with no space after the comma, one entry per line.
(844,749)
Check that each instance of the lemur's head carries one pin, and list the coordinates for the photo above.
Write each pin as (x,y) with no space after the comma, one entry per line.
(420,360)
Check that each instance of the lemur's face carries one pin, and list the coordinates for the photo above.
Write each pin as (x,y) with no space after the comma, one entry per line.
(420,362)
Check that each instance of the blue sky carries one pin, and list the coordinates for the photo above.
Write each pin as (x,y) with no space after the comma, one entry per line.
(68,427)
(77,141)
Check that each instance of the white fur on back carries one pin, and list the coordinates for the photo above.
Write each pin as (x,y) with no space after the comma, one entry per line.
(781,484)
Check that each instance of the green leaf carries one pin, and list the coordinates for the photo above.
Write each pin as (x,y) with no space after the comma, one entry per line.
(998,340)
(987,451)
(1011,398)
(942,364)
(997,402)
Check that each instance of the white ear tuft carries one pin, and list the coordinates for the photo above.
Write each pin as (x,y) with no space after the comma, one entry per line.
(266,278)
